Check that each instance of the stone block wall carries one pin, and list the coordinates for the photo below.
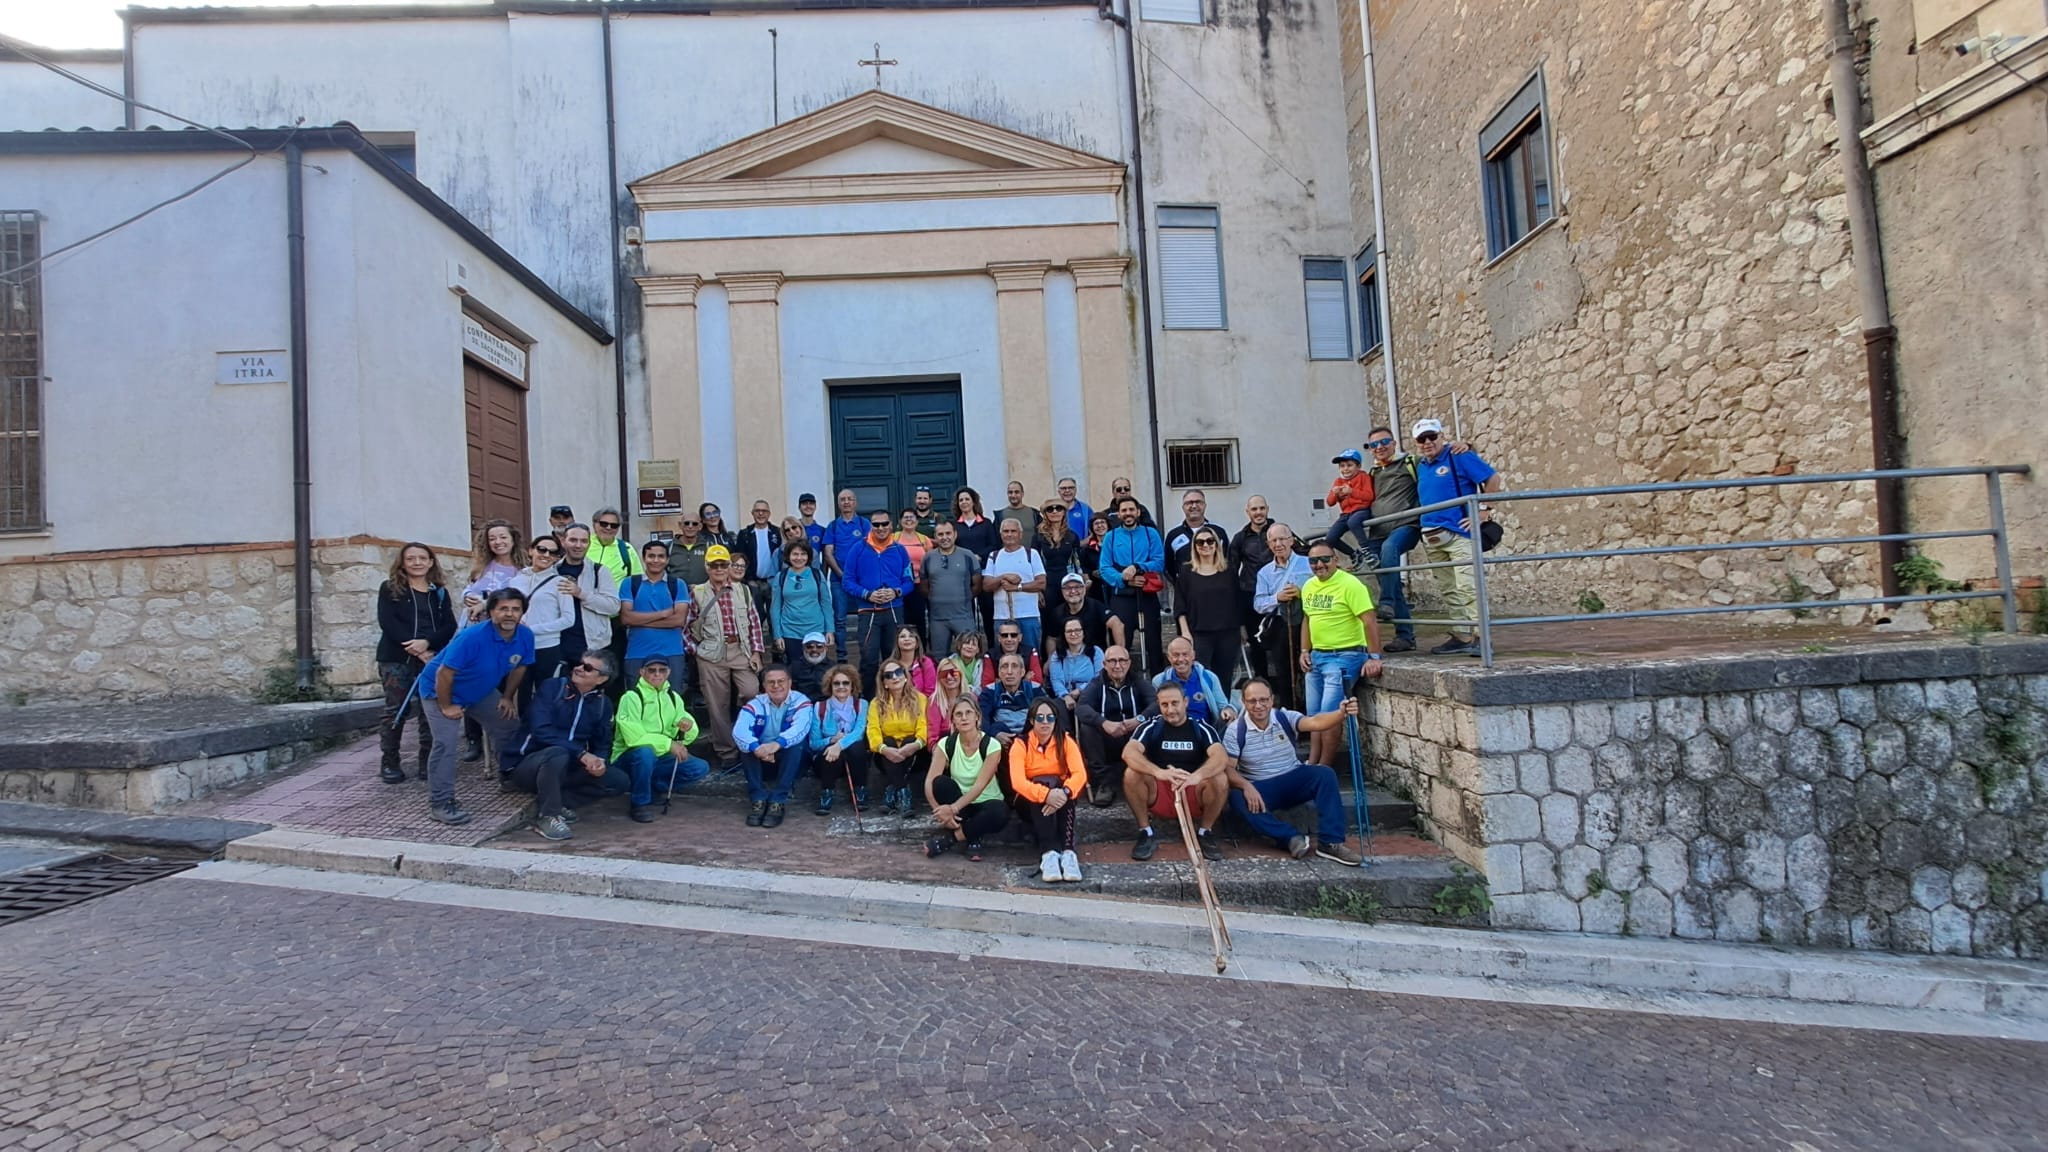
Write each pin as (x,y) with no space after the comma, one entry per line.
(207,620)
(1892,798)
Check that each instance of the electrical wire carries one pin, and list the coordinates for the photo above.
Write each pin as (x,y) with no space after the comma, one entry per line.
(28,52)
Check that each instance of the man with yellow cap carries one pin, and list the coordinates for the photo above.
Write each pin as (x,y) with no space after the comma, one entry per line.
(724,631)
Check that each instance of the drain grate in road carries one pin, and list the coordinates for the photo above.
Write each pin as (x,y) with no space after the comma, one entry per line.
(40,890)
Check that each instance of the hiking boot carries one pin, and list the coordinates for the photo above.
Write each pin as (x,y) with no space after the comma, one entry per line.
(1210,849)
(906,802)
(938,846)
(860,797)
(1147,844)
(1070,867)
(449,813)
(1100,795)
(1341,853)
(824,807)
(391,774)
(1401,644)
(569,814)
(505,782)
(471,751)
(1451,647)
(552,828)
(974,851)
(757,813)
(773,818)
(641,813)
(1049,868)
(1299,847)
(888,801)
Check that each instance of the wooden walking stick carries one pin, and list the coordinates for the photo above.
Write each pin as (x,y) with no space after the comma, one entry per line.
(1219,933)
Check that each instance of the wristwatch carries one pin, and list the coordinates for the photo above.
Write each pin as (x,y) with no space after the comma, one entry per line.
(1372,656)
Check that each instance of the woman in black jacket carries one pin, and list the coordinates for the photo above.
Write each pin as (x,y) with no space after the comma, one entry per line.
(416,619)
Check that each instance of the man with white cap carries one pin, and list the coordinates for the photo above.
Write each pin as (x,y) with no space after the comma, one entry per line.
(1448,533)
(807,673)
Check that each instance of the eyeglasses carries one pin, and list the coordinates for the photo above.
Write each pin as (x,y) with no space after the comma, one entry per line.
(692,523)
(719,564)
(607,523)
(1043,718)
(1116,659)
(654,670)
(1319,561)
(547,551)
(842,684)
(1426,438)
(893,674)
(594,669)
(1009,635)
(1121,490)
(881,525)
(1205,543)
(1051,510)
(1382,442)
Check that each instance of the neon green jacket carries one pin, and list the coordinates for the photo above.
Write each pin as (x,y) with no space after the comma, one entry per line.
(650,719)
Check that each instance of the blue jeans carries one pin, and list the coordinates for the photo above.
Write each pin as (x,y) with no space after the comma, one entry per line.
(1394,548)
(1306,783)
(649,771)
(1330,677)
(1030,627)
(788,762)
(1354,524)
(841,605)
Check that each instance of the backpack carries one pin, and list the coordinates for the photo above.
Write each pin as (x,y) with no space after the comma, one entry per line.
(782,588)
(951,744)
(635,582)
(1490,532)
(1279,714)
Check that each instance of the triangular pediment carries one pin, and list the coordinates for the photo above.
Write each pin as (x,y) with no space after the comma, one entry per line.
(875,146)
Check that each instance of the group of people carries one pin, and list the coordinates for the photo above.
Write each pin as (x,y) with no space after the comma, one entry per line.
(806,643)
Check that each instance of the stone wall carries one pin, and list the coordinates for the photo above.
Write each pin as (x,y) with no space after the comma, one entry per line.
(208,620)
(1690,313)
(1892,798)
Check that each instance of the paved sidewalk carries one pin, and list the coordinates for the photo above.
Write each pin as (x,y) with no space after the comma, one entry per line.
(339,792)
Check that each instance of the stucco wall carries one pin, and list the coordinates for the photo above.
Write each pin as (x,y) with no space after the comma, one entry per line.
(1690,314)
(33,98)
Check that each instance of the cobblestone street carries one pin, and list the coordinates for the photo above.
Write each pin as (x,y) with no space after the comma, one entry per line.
(188,1014)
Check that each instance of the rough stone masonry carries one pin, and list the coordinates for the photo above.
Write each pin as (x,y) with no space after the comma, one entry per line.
(1893,797)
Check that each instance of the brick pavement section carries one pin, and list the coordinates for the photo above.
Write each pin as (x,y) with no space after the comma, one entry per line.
(340,792)
(221,1016)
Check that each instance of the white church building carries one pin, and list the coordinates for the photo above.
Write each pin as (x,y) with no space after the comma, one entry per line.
(786,248)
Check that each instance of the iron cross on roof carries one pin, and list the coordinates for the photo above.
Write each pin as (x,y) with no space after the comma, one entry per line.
(877,64)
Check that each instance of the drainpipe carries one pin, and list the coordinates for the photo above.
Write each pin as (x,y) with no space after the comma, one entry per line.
(302,439)
(1379,220)
(1123,21)
(127,71)
(611,191)
(1880,339)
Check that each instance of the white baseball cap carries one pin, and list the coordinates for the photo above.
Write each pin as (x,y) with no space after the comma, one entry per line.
(1421,426)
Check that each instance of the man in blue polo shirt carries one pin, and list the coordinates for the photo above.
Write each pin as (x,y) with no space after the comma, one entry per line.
(1447,533)
(654,606)
(477,674)
(842,536)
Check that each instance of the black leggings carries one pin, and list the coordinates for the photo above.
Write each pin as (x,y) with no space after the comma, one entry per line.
(978,821)
(896,774)
(1055,832)
(853,764)
(1217,650)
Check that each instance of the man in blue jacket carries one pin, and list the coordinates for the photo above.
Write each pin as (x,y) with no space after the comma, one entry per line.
(877,579)
(771,729)
(1133,555)
(464,679)
(567,747)
(1207,699)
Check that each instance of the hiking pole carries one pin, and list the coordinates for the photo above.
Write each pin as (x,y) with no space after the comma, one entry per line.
(1361,805)
(668,797)
(852,797)
(1219,935)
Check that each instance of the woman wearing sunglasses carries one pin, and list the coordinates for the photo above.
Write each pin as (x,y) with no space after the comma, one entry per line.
(961,786)
(1205,602)
(839,738)
(1046,774)
(897,732)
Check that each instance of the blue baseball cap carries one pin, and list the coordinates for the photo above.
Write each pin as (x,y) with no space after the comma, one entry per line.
(1353,455)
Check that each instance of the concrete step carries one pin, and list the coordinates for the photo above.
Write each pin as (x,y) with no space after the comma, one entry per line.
(2011,995)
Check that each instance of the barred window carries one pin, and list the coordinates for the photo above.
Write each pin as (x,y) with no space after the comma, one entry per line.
(1201,464)
(21,374)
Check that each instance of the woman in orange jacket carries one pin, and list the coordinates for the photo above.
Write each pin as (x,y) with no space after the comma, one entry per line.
(1047,773)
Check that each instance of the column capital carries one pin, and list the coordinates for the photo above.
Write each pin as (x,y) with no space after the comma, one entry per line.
(661,291)
(1099,271)
(1020,275)
(751,287)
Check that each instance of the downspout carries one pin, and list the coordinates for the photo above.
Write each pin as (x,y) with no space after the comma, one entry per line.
(1123,21)
(302,439)
(1379,220)
(127,71)
(1880,339)
(611,191)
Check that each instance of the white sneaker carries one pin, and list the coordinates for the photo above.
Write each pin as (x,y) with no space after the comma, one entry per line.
(1049,867)
(1070,866)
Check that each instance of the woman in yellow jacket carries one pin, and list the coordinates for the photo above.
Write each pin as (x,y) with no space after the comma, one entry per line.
(1047,773)
(897,731)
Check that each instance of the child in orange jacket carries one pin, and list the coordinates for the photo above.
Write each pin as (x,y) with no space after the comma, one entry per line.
(1351,496)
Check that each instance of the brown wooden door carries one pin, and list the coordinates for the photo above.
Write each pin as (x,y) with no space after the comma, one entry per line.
(496,414)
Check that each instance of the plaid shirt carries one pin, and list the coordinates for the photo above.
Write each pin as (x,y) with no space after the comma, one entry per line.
(748,631)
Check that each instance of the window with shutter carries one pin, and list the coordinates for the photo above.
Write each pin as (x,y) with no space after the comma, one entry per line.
(1514,148)
(21,373)
(1370,329)
(1171,11)
(1329,311)
(1190,268)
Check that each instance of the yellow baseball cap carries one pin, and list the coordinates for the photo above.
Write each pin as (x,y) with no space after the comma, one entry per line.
(717,553)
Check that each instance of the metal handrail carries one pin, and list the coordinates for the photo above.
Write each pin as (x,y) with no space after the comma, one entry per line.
(1484,621)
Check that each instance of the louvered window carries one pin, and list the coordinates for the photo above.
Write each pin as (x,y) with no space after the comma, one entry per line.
(1171,11)
(1329,312)
(21,374)
(1369,326)
(1191,268)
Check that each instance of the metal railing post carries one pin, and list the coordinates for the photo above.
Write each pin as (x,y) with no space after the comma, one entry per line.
(2007,594)
(1479,582)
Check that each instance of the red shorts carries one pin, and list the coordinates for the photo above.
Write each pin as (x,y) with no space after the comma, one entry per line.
(1162,800)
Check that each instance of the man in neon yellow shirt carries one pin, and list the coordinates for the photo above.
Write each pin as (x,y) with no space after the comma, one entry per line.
(1340,636)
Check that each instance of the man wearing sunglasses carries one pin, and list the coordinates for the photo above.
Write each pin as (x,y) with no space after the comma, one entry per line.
(686,551)
(877,578)
(652,739)
(1340,637)
(567,747)
(1448,533)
